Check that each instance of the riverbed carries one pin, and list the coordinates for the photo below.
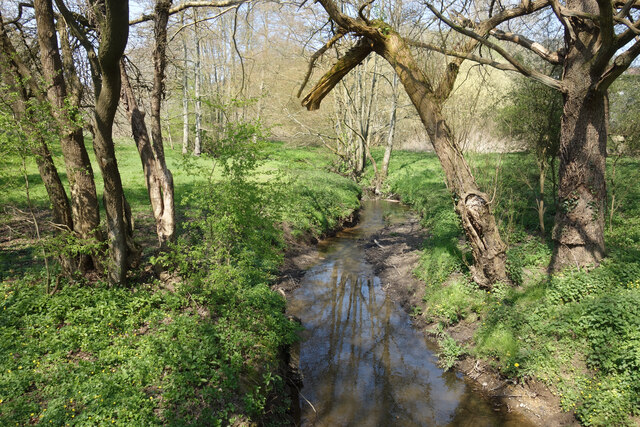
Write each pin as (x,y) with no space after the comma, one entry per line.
(362,362)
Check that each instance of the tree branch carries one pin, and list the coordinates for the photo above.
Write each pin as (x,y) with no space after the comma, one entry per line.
(186,5)
(69,18)
(607,34)
(312,61)
(555,6)
(348,62)
(544,53)
(536,75)
(462,55)
(618,66)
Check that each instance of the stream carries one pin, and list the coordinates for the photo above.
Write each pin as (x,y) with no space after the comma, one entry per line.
(362,362)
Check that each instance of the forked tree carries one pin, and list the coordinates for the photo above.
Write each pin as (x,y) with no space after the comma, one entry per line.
(472,205)
(65,98)
(600,43)
(109,22)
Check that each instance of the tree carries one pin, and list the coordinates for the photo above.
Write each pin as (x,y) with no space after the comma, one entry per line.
(26,100)
(158,177)
(471,204)
(533,116)
(598,47)
(110,20)
(65,109)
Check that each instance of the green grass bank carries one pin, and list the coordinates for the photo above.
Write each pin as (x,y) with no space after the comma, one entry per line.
(578,332)
(201,347)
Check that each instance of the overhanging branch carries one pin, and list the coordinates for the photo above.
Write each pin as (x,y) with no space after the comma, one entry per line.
(348,62)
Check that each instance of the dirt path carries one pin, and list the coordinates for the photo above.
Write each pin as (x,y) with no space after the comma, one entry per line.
(394,252)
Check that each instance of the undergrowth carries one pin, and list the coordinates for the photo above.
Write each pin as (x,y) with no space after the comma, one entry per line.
(203,348)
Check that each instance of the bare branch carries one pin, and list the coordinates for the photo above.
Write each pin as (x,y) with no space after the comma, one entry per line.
(625,9)
(361,10)
(475,58)
(633,28)
(555,6)
(544,53)
(186,5)
(16,20)
(607,34)
(628,35)
(210,18)
(618,66)
(536,75)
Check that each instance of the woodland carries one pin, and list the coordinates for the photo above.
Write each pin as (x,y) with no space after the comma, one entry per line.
(159,159)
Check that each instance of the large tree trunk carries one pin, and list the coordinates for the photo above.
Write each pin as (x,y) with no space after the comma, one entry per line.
(84,201)
(471,204)
(114,31)
(579,221)
(163,207)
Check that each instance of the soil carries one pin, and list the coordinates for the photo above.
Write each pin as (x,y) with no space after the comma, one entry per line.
(394,252)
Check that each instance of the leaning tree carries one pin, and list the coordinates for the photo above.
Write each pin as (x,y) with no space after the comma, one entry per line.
(428,95)
(600,43)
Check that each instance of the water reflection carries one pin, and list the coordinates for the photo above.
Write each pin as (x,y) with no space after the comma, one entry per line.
(363,364)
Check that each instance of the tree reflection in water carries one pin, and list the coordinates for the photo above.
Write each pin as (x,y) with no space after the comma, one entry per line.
(362,362)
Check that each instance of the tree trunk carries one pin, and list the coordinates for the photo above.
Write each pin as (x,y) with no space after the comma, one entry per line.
(579,221)
(197,149)
(185,95)
(114,31)
(471,204)
(392,129)
(84,201)
(163,207)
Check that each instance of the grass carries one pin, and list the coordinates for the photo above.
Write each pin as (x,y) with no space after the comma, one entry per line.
(576,331)
(203,348)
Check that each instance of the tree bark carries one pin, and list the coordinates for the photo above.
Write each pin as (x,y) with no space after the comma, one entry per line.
(471,204)
(84,201)
(114,31)
(579,223)
(163,207)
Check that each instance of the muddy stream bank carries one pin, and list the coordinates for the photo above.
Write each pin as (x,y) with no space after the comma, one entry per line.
(362,359)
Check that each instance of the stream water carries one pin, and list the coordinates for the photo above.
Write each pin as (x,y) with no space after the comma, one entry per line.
(362,362)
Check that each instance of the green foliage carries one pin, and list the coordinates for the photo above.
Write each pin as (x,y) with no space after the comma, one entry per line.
(614,318)
(624,101)
(202,349)
(451,302)
(533,115)
(450,352)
